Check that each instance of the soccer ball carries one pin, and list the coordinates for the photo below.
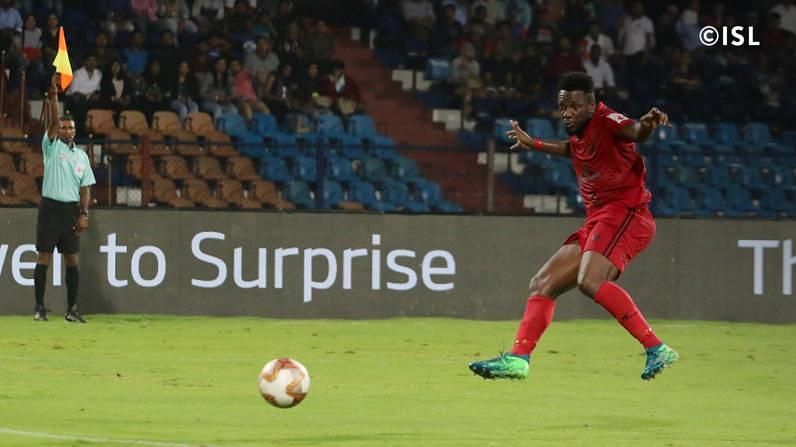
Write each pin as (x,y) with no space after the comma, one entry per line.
(284,382)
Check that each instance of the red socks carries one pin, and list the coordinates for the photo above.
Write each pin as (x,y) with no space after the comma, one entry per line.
(538,316)
(616,301)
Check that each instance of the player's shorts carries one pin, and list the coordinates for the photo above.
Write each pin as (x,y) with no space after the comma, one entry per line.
(617,232)
(55,227)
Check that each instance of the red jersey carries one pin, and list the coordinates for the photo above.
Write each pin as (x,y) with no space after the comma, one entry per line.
(608,167)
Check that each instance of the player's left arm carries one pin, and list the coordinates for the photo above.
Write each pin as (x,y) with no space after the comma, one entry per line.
(642,129)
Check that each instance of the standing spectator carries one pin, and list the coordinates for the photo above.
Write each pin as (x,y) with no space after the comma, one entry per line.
(419,15)
(10,20)
(136,58)
(636,40)
(320,45)
(215,90)
(63,213)
(600,72)
(83,93)
(465,76)
(104,53)
(183,89)
(688,26)
(176,17)
(447,33)
(787,15)
(115,88)
(666,36)
(31,39)
(49,40)
(243,93)
(262,58)
(596,37)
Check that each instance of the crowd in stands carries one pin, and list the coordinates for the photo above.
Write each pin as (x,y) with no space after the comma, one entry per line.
(216,56)
(505,55)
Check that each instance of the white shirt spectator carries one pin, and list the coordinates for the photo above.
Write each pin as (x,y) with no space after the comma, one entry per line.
(603,41)
(787,16)
(602,74)
(84,82)
(10,19)
(461,11)
(495,10)
(635,32)
(417,10)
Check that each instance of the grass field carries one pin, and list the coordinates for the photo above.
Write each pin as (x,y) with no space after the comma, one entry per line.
(166,381)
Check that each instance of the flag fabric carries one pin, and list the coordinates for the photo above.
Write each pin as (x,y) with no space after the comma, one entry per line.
(61,62)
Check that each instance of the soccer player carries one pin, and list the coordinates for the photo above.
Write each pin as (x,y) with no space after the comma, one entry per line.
(611,177)
(63,212)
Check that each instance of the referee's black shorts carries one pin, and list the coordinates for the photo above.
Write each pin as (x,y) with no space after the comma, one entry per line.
(55,227)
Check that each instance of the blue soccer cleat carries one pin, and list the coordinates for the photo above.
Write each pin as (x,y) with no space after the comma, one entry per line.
(658,358)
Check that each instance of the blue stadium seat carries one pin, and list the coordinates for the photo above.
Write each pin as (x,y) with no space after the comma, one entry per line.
(679,199)
(333,194)
(329,124)
(739,201)
(373,169)
(279,143)
(502,125)
(438,69)
(305,168)
(299,193)
(405,169)
(339,168)
(362,126)
(719,176)
(365,193)
(666,135)
(540,128)
(448,207)
(274,169)
(427,192)
(775,201)
(758,137)
(234,125)
(697,133)
(710,201)
(381,146)
(727,134)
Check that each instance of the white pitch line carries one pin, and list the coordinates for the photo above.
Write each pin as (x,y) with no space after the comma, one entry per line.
(34,434)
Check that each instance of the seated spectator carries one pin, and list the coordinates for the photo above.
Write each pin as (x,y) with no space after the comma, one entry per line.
(11,19)
(465,76)
(49,40)
(263,26)
(308,88)
(215,90)
(115,88)
(176,17)
(283,16)
(447,33)
(104,53)
(243,93)
(136,57)
(419,16)
(495,10)
(262,58)
(182,91)
(144,13)
(154,91)
(320,45)
(342,90)
(167,54)
(277,91)
(31,39)
(84,91)
(207,12)
(239,23)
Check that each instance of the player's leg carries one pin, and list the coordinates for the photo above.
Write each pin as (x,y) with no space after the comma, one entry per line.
(602,262)
(558,275)
(70,247)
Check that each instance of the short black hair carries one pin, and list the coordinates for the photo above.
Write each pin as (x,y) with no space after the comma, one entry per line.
(66,118)
(576,80)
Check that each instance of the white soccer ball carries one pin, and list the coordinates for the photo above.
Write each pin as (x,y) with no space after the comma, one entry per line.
(284,382)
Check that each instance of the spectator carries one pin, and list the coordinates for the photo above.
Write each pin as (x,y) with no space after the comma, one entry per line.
(283,16)
(105,55)
(520,13)
(136,58)
(262,58)
(176,17)
(49,40)
(264,27)
(637,35)
(447,33)
(787,15)
(243,93)
(773,39)
(600,71)
(115,88)
(596,37)
(320,45)
(495,10)
(563,61)
(459,10)
(609,16)
(155,91)
(183,89)
(465,76)
(10,20)
(420,18)
(342,90)
(144,13)
(206,13)
(277,91)
(120,17)
(309,88)
(167,53)
(688,26)
(215,90)
(84,91)
(239,22)
(666,36)
(31,40)
(290,47)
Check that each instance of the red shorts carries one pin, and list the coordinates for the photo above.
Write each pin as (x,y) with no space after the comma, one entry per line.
(617,232)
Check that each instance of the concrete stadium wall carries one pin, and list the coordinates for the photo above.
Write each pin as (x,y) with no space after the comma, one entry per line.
(306,265)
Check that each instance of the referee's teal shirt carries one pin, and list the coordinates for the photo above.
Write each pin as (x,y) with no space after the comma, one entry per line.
(66,169)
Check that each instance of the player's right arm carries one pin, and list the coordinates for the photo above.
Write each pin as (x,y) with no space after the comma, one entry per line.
(53,117)
(524,141)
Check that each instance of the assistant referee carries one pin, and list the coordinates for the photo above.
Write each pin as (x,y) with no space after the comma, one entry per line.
(63,212)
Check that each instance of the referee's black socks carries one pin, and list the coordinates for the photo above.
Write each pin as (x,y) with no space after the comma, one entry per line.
(40,282)
(72,278)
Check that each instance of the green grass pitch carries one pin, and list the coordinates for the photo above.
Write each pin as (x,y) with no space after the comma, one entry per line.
(179,381)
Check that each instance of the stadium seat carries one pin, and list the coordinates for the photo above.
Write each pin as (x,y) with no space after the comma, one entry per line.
(697,133)
(248,142)
(710,200)
(135,164)
(666,136)
(362,126)
(299,193)
(365,193)
(217,143)
(740,201)
(198,191)
(381,146)
(31,163)
(501,126)
(305,168)
(22,189)
(168,123)
(100,122)
(775,200)
(175,167)
(7,166)
(540,128)
(427,192)
(405,169)
(267,193)
(241,168)
(329,124)
(208,168)
(373,169)
(438,69)
(333,194)
(339,168)
(135,123)
(448,207)
(164,191)
(14,147)
(231,190)
(274,169)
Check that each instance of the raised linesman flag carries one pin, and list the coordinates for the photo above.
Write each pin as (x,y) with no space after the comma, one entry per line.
(61,62)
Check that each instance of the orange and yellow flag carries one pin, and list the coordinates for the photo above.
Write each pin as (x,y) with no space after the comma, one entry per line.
(61,62)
